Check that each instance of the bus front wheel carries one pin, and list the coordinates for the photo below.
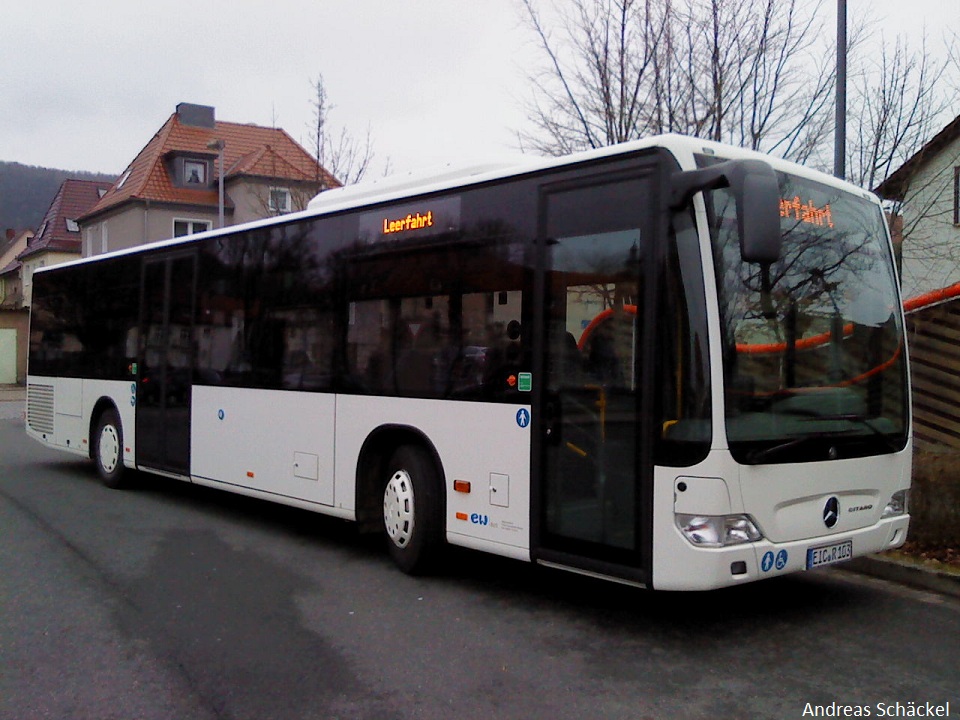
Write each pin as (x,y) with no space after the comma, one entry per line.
(108,449)
(411,510)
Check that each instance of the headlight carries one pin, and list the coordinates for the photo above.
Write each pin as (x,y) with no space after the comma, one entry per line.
(899,504)
(718,530)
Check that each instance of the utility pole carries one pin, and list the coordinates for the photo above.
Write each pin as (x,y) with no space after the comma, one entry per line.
(219,145)
(840,135)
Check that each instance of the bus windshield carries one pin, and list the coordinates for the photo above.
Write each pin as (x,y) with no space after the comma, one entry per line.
(813,346)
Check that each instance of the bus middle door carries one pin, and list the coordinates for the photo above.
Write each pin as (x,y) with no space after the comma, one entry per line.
(165,373)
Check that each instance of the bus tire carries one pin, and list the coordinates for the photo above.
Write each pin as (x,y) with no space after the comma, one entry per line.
(412,510)
(108,449)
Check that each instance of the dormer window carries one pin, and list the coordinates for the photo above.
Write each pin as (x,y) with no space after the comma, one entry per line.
(195,173)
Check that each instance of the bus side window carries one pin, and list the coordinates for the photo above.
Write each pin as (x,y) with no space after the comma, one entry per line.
(435,323)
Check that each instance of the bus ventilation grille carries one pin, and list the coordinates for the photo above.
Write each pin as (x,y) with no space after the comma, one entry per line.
(40,408)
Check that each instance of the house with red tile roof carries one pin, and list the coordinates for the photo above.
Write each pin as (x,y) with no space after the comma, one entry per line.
(172,187)
(58,239)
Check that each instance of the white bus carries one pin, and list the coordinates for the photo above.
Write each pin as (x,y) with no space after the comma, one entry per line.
(669,363)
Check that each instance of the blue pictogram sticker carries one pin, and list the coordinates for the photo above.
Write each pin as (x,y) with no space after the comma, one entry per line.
(523,417)
(767,563)
(781,559)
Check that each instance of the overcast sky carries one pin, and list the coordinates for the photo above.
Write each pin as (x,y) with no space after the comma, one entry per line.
(84,85)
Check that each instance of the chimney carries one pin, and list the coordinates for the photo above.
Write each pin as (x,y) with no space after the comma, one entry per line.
(11,233)
(196,115)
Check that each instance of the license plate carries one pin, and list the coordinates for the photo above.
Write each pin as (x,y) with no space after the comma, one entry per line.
(829,554)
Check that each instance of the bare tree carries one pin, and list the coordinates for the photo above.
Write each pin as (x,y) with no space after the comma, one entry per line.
(755,74)
(899,105)
(591,92)
(905,99)
(338,152)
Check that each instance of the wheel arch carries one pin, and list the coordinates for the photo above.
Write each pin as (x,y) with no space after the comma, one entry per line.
(375,453)
(102,405)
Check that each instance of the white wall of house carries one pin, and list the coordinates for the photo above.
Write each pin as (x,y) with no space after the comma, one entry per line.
(11,285)
(162,221)
(15,249)
(35,262)
(137,224)
(931,240)
(252,198)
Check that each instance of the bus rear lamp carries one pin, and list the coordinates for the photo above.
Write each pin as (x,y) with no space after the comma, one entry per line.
(899,504)
(718,530)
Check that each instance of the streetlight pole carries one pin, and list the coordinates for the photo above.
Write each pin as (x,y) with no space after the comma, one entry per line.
(840,136)
(219,145)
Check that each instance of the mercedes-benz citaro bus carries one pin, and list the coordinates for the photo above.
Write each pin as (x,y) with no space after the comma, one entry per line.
(669,363)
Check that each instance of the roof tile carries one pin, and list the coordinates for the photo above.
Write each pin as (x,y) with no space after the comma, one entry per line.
(249,150)
(73,199)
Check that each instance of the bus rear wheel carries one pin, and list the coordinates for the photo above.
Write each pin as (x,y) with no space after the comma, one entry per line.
(108,449)
(412,510)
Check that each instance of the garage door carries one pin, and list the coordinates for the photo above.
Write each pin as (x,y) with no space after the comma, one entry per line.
(8,356)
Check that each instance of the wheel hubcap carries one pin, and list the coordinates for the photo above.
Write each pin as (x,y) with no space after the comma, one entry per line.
(398,508)
(109,448)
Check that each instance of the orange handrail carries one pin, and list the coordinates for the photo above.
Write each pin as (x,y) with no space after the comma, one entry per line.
(813,341)
(932,298)
(599,318)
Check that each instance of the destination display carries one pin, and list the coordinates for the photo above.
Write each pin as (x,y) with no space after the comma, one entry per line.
(807,212)
(420,219)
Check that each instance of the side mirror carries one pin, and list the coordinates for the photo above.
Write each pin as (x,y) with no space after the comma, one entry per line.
(757,193)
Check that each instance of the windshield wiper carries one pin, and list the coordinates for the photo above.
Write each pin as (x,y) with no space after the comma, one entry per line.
(860,420)
(755,457)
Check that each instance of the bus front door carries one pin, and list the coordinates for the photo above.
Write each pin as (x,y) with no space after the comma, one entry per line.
(165,371)
(590,497)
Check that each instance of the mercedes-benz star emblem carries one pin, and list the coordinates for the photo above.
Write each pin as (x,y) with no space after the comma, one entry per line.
(831,512)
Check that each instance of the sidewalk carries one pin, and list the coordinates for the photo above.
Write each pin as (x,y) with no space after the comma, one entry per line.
(898,569)
(906,570)
(12,402)
(12,393)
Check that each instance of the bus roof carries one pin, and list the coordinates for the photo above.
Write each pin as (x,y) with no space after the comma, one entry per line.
(450,177)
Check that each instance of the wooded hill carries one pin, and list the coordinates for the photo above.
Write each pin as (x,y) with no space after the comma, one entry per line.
(26,192)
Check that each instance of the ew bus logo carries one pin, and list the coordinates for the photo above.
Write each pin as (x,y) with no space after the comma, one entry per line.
(478,519)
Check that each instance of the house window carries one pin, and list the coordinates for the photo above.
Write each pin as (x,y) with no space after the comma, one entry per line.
(189,227)
(956,196)
(279,200)
(72,225)
(195,172)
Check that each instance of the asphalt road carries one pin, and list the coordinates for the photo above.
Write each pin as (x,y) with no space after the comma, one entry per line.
(175,602)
